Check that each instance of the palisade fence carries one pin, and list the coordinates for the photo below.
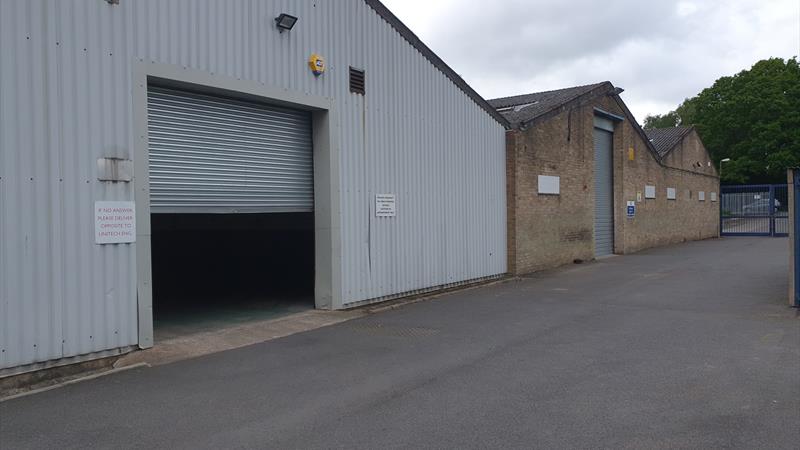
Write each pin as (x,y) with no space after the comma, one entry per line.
(754,210)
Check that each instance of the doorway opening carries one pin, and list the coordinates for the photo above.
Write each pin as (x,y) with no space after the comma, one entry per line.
(214,271)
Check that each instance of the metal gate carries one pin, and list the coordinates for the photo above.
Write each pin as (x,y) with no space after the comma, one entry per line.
(754,210)
(212,154)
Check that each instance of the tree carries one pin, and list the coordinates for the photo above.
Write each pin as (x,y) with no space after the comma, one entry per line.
(668,120)
(752,117)
(682,115)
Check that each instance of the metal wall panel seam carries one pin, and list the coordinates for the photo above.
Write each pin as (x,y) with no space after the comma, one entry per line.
(409,154)
(3,226)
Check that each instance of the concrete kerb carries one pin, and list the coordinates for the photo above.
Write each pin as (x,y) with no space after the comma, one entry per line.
(404,301)
(65,381)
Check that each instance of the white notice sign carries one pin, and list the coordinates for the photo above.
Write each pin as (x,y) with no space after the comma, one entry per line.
(549,184)
(114,222)
(385,205)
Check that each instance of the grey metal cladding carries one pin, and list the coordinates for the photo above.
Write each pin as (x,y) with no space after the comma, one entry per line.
(603,193)
(216,155)
(420,46)
(67,101)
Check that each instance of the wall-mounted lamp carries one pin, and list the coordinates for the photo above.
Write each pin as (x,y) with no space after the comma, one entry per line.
(720,166)
(285,22)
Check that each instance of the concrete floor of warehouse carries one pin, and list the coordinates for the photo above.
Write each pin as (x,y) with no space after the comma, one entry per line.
(688,346)
(208,317)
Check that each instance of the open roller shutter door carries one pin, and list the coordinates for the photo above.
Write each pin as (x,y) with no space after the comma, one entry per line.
(603,194)
(212,154)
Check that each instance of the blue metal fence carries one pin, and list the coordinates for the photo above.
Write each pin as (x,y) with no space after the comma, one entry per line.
(754,210)
(795,209)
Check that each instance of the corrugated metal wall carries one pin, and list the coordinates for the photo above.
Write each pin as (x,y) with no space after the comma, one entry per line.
(65,100)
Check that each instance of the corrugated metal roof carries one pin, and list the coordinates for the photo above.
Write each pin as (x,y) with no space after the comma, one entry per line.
(665,139)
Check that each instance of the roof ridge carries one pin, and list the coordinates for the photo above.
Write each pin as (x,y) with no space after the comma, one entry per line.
(498,99)
(676,127)
(541,104)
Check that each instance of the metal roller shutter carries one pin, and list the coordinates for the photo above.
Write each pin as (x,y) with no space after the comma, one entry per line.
(212,154)
(603,194)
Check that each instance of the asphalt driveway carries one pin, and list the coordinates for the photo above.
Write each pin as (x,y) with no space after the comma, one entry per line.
(690,346)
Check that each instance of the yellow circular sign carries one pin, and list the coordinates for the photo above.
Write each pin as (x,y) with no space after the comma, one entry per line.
(316,63)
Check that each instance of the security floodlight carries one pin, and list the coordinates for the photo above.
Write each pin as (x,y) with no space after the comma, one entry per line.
(285,22)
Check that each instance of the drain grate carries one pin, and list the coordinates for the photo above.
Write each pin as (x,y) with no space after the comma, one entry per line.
(380,329)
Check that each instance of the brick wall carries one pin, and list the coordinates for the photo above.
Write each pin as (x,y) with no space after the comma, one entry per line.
(550,230)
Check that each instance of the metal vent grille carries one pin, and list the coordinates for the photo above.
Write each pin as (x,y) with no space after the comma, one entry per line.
(357,81)
(212,154)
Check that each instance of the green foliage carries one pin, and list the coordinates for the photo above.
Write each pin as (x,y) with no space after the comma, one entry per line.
(752,117)
(668,120)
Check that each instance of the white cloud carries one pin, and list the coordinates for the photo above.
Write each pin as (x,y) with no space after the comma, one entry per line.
(686,8)
(660,52)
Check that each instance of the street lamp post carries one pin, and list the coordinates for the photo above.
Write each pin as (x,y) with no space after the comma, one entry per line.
(720,166)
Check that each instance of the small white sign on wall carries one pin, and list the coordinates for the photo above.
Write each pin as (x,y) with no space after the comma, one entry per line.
(385,205)
(549,185)
(713,196)
(114,222)
(649,192)
(671,194)
(701,196)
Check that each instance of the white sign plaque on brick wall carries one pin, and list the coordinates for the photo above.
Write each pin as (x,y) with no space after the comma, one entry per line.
(671,194)
(385,205)
(649,192)
(114,222)
(549,184)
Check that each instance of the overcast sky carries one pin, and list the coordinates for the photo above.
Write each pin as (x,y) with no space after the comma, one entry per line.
(659,51)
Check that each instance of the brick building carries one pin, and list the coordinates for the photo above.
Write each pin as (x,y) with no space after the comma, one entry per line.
(585,180)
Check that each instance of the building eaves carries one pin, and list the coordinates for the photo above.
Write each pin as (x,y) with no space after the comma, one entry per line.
(525,110)
(451,74)
(522,110)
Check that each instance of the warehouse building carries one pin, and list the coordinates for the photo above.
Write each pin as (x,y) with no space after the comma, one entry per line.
(585,181)
(163,156)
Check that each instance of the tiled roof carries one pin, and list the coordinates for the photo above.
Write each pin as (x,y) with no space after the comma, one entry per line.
(665,139)
(523,108)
